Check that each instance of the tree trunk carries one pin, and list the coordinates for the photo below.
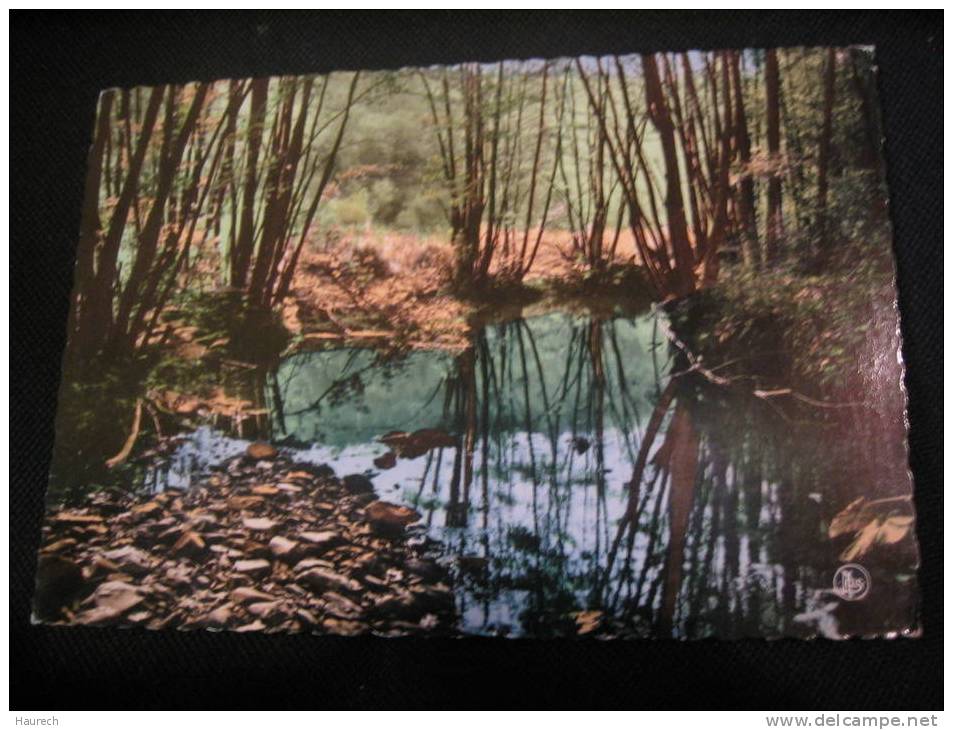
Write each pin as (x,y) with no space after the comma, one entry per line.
(99,322)
(684,281)
(287,273)
(91,227)
(148,240)
(746,198)
(772,98)
(245,242)
(824,144)
(719,226)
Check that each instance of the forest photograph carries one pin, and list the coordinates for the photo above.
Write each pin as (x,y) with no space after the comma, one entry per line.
(596,347)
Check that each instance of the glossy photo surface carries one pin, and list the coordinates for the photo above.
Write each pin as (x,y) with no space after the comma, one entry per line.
(584,347)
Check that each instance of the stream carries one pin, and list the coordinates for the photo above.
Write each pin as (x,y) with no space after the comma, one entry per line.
(548,414)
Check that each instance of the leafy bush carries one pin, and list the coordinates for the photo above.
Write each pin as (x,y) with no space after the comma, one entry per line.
(349,211)
(781,326)
(387,201)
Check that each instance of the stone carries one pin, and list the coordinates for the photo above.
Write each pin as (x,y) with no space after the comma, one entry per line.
(318,542)
(256,568)
(418,443)
(130,559)
(91,529)
(388,518)
(263,609)
(320,580)
(259,523)
(260,451)
(587,621)
(343,627)
(282,547)
(341,606)
(360,500)
(179,577)
(386,461)
(245,502)
(246,595)
(308,472)
(201,520)
(307,563)
(190,545)
(59,545)
(102,566)
(254,549)
(73,518)
(307,617)
(358,484)
(112,599)
(436,598)
(214,538)
(149,509)
(172,534)
(219,617)
(398,604)
(255,625)
(392,438)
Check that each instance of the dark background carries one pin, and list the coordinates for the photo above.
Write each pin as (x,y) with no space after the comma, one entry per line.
(58,63)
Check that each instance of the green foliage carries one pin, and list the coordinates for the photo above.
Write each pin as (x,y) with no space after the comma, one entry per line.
(786,328)
(386,201)
(423,212)
(349,211)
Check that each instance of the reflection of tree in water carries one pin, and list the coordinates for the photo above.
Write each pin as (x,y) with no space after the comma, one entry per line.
(720,530)
(584,477)
(532,429)
(730,542)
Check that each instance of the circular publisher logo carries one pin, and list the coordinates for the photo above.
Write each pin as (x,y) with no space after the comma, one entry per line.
(852,582)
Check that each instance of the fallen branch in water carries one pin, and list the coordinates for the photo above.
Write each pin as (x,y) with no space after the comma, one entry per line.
(696,366)
(130,440)
(766,394)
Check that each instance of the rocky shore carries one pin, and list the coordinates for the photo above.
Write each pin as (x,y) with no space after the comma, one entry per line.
(261,544)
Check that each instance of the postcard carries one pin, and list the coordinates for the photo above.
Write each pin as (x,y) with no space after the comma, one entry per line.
(598,347)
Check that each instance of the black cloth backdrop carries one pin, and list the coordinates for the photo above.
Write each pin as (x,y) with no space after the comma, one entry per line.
(58,63)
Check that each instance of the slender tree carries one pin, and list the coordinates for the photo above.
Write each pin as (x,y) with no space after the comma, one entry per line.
(97,281)
(746,192)
(772,100)
(824,143)
(658,111)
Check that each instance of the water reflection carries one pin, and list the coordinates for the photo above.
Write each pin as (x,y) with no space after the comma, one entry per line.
(579,484)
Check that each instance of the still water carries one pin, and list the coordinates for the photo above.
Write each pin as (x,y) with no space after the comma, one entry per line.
(534,503)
